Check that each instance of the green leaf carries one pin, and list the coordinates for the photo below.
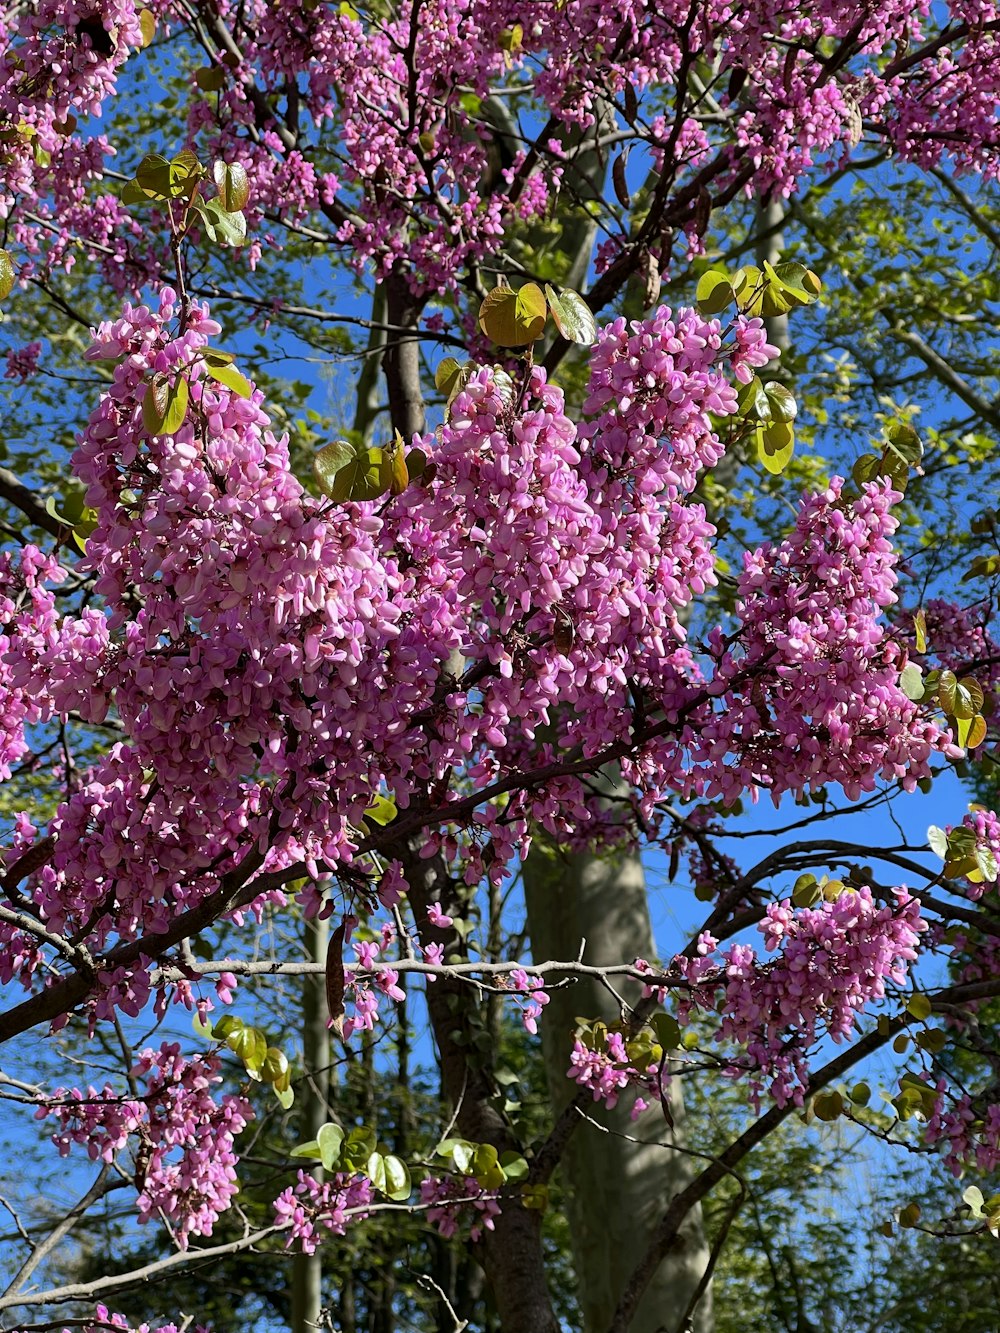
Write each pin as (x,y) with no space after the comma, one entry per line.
(375,1171)
(714,292)
(932,1040)
(147,25)
(911,682)
(572,316)
(486,1167)
(463,1154)
(397,1178)
(752,401)
(668,1031)
(218,365)
(947,688)
(748,288)
(210,78)
(861,1094)
(796,282)
(223,227)
(910,1215)
(310,1150)
(382,810)
(828,1105)
(937,840)
(775,445)
(202,1026)
(395,454)
(904,441)
(276,1068)
(512,318)
(865,469)
(7,275)
(986,863)
(165,405)
(514,1166)
(782,402)
(233,185)
(330,1139)
(352,472)
(806,891)
(416,463)
(153,177)
(158,178)
(976,733)
(918,1006)
(973,1196)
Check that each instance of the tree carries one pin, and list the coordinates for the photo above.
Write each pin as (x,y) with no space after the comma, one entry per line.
(219,683)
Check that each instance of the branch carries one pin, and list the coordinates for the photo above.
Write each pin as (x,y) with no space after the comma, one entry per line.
(14,491)
(101,1186)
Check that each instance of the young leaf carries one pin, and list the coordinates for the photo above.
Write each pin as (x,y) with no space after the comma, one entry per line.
(920,631)
(147,25)
(329,1139)
(165,405)
(219,366)
(397,1178)
(221,226)
(572,316)
(782,402)
(210,78)
(775,445)
(714,292)
(937,840)
(911,682)
(947,690)
(375,1171)
(918,1006)
(512,318)
(153,176)
(233,185)
(7,275)
(828,1104)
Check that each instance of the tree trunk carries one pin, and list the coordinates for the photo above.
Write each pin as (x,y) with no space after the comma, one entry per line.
(618,1188)
(512,1254)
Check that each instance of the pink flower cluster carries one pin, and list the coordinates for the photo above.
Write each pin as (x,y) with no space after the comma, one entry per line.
(968,1135)
(454,1199)
(364,990)
(831,962)
(105,1319)
(182,1136)
(330,1204)
(608,1073)
(534,989)
(810,691)
(288,657)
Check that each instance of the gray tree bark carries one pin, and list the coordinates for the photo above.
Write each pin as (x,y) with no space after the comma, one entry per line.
(618,1187)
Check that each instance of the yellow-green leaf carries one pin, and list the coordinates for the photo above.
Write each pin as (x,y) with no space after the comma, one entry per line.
(218,365)
(147,25)
(7,275)
(920,631)
(775,445)
(714,292)
(512,318)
